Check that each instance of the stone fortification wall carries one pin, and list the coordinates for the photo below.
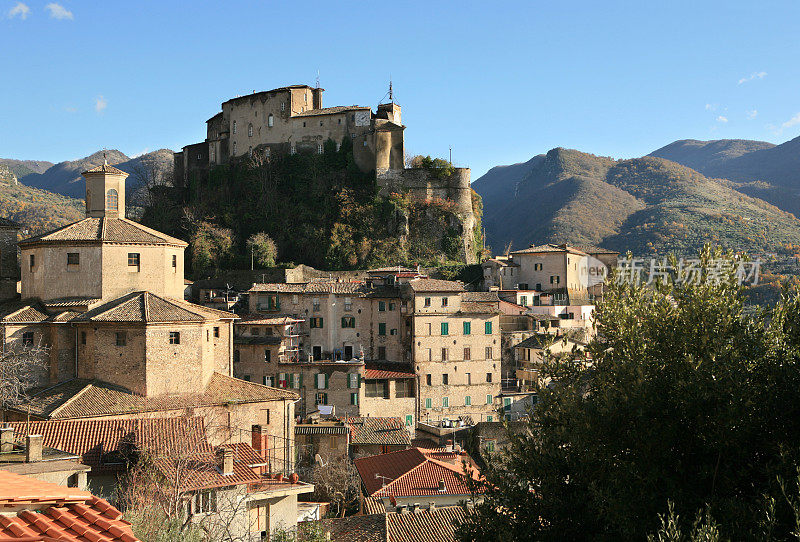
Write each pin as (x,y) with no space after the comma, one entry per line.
(423,185)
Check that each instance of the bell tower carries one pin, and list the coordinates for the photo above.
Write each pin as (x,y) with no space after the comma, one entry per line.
(105,191)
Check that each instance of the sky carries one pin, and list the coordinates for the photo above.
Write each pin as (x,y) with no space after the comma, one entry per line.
(499,82)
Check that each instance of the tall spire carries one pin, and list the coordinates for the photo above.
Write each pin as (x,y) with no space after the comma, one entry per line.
(391,95)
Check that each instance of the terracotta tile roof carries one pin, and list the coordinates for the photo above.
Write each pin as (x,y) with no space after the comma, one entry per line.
(90,439)
(472,307)
(8,223)
(317,287)
(147,307)
(378,430)
(438,525)
(502,262)
(425,443)
(370,528)
(378,373)
(70,302)
(411,473)
(105,168)
(550,247)
(374,505)
(104,230)
(331,110)
(480,297)
(72,515)
(78,398)
(23,312)
(320,429)
(202,472)
(396,269)
(435,285)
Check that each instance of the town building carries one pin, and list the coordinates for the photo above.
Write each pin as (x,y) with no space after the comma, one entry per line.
(352,436)
(410,477)
(414,524)
(102,304)
(30,456)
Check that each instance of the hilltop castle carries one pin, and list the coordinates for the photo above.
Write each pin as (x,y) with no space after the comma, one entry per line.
(290,120)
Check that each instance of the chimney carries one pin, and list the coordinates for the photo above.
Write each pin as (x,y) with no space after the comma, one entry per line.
(258,440)
(432,506)
(33,448)
(442,487)
(402,509)
(415,507)
(225,460)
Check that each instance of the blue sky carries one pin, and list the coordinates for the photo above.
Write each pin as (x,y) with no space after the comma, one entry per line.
(499,81)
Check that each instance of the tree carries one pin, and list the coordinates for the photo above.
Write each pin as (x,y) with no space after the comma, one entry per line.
(210,247)
(263,250)
(21,368)
(688,398)
(337,482)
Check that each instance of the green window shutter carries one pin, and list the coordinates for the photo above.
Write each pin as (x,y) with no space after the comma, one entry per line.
(300,380)
(467,328)
(382,328)
(445,328)
(316,381)
(467,400)
(446,402)
(409,420)
(326,381)
(490,418)
(344,321)
(381,306)
(354,399)
(428,403)
(489,399)
(488,326)
(320,323)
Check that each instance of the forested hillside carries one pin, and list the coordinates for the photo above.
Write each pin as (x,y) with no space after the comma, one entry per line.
(647,205)
(319,209)
(37,210)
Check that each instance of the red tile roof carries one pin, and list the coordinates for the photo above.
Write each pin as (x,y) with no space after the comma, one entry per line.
(57,513)
(409,473)
(438,525)
(92,438)
(378,430)
(382,373)
(104,230)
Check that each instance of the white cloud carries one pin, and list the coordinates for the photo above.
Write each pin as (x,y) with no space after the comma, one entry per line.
(20,10)
(710,107)
(752,114)
(794,121)
(722,119)
(752,77)
(57,11)
(100,104)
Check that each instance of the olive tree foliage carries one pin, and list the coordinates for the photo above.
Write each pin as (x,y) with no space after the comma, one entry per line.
(263,250)
(688,398)
(21,367)
(210,246)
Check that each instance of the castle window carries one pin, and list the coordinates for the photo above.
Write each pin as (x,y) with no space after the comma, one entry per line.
(174,337)
(305,98)
(27,338)
(234,148)
(270,120)
(320,123)
(216,331)
(83,337)
(319,148)
(266,152)
(293,149)
(283,106)
(199,156)
(133,260)
(213,156)
(304,124)
(234,127)
(73,258)
(250,130)
(33,261)
(121,338)
(111,200)
(174,262)
(340,121)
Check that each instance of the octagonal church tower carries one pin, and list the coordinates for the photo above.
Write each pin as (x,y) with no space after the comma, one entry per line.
(103,256)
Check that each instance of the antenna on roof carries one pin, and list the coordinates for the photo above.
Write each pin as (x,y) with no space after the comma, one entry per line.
(317,77)
(105,161)
(391,94)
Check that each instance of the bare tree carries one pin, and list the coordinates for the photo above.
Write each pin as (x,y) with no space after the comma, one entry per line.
(147,175)
(21,368)
(336,480)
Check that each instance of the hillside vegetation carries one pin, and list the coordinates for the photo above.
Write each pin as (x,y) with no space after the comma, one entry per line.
(646,205)
(319,209)
(37,210)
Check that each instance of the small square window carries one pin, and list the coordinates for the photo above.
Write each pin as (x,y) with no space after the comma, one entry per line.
(445,379)
(444,302)
(33,260)
(174,337)
(216,332)
(73,258)
(121,338)
(27,338)
(488,377)
(427,301)
(133,259)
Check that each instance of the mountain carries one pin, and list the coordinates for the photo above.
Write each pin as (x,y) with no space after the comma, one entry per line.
(647,205)
(36,210)
(65,177)
(20,168)
(760,169)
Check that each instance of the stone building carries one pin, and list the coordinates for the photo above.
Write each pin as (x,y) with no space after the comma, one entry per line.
(104,298)
(9,265)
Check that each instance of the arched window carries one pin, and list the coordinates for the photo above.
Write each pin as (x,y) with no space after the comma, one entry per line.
(111,200)
(270,120)
(250,130)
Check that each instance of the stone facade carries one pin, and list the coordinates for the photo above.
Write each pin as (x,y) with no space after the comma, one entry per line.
(9,264)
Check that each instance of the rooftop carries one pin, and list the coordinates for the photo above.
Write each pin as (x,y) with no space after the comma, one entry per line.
(57,513)
(105,168)
(331,110)
(550,247)
(367,528)
(104,230)
(409,473)
(437,525)
(378,430)
(79,398)
(145,307)
(435,285)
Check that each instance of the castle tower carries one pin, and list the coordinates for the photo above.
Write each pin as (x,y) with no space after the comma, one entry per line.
(105,192)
